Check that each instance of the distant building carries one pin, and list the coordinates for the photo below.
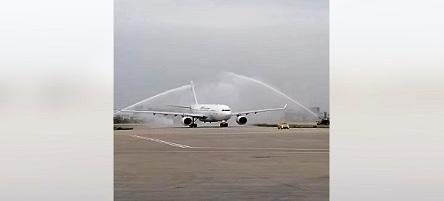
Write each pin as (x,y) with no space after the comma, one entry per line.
(315,110)
(291,115)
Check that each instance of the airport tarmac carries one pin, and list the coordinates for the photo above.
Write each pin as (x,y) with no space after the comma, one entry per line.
(234,163)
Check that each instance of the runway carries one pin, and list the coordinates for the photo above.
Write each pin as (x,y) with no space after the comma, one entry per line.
(234,163)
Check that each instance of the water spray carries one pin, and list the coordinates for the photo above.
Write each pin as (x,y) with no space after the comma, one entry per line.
(273,89)
(155,96)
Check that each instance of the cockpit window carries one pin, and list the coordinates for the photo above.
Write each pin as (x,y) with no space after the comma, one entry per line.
(226,110)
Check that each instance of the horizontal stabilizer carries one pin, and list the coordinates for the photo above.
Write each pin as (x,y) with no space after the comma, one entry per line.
(180,106)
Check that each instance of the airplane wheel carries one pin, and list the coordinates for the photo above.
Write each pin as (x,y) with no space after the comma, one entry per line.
(193,125)
(223,124)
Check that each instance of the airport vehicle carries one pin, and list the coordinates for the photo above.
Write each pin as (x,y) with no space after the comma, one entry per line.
(207,113)
(324,120)
(283,126)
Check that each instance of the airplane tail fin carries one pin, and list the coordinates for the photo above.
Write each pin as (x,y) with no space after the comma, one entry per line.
(194,92)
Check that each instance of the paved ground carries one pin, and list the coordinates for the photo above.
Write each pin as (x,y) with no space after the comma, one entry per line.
(235,163)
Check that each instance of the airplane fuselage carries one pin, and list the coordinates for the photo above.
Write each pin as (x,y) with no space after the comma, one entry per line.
(212,112)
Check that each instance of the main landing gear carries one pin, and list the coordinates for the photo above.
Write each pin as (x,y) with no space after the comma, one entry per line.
(224,124)
(193,125)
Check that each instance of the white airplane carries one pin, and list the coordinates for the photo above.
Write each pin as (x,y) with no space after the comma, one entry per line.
(207,113)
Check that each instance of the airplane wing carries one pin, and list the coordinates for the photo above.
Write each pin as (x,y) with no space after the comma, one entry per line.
(166,113)
(257,111)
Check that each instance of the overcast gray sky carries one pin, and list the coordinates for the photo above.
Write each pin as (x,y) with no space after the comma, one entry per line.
(164,44)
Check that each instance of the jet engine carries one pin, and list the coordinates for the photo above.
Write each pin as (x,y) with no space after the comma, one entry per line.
(241,120)
(187,121)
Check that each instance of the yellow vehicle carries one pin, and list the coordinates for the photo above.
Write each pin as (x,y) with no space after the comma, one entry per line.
(283,126)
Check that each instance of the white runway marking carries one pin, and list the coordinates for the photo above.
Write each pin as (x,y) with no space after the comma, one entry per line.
(230,149)
(261,148)
(161,141)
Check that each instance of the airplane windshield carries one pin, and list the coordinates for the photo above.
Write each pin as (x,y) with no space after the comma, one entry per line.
(226,110)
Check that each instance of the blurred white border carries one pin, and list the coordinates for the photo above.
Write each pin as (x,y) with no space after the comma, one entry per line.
(387,95)
(56,98)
